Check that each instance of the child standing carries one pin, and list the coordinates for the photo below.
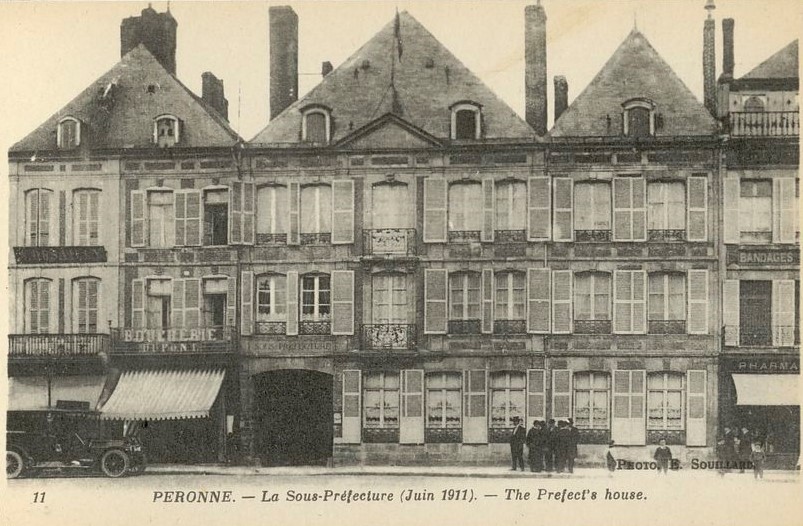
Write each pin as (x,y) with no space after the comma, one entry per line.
(757,457)
(610,460)
(663,456)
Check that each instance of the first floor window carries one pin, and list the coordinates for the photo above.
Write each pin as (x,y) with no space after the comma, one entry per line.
(315,298)
(271,298)
(465,207)
(667,206)
(316,209)
(443,400)
(37,298)
(511,205)
(86,210)
(510,294)
(390,298)
(37,217)
(667,297)
(86,304)
(161,214)
(665,401)
(381,399)
(464,296)
(507,398)
(592,296)
(592,206)
(272,210)
(591,394)
(755,211)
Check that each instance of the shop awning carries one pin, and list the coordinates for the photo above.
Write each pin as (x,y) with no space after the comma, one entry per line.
(767,389)
(163,395)
(30,393)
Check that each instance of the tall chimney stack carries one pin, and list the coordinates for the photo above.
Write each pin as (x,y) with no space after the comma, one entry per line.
(710,60)
(727,47)
(157,31)
(283,58)
(212,93)
(561,96)
(535,67)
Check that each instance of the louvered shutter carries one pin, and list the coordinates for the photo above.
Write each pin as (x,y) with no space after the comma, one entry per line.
(177,304)
(629,211)
(192,303)
(343,302)
(138,304)
(249,210)
(731,220)
(698,301)
(180,208)
(536,394)
(783,312)
(539,226)
(697,199)
(562,209)
(538,300)
(292,303)
(561,394)
(352,415)
(435,290)
(231,303)
(487,301)
(247,302)
(475,407)
(629,301)
(193,218)
(411,423)
(784,210)
(730,311)
(562,301)
(342,211)
(236,213)
(628,423)
(294,208)
(435,196)
(696,408)
(488,198)
(138,205)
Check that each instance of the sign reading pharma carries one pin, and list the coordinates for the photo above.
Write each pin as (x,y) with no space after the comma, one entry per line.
(765,380)
(762,364)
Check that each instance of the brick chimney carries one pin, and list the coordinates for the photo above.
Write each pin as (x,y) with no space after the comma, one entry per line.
(212,93)
(535,80)
(561,96)
(710,60)
(283,58)
(157,31)
(727,47)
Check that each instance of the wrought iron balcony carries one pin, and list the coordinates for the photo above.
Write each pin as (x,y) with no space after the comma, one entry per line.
(314,327)
(465,326)
(592,326)
(271,239)
(388,336)
(666,235)
(765,123)
(510,326)
(174,340)
(464,236)
(390,241)
(53,255)
(510,236)
(317,238)
(270,327)
(54,345)
(593,236)
(666,326)
(766,336)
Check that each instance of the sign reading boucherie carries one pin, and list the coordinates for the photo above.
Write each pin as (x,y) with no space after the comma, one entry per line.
(199,334)
(762,256)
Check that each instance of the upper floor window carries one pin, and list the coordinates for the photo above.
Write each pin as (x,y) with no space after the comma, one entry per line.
(86,222)
(37,217)
(316,209)
(271,298)
(272,211)
(216,217)
(316,126)
(755,211)
(161,230)
(38,306)
(667,295)
(592,296)
(754,102)
(466,121)
(166,130)
(315,298)
(68,133)
(511,205)
(510,296)
(465,207)
(592,208)
(666,202)
(639,118)
(390,298)
(85,304)
(390,206)
(464,296)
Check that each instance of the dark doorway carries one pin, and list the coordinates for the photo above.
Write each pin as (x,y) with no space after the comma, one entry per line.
(755,312)
(216,227)
(215,310)
(293,417)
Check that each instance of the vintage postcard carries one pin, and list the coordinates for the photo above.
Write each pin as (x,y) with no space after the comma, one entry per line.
(358,262)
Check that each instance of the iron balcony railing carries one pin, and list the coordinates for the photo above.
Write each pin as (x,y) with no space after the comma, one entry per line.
(776,335)
(174,340)
(22,345)
(270,327)
(510,236)
(510,326)
(271,239)
(666,326)
(465,326)
(314,327)
(667,235)
(592,236)
(464,236)
(390,241)
(765,123)
(388,336)
(592,326)
(317,238)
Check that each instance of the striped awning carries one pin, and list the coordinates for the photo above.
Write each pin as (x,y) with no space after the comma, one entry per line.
(163,395)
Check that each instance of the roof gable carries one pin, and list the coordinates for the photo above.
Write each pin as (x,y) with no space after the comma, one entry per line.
(389,131)
(428,79)
(118,109)
(783,64)
(635,70)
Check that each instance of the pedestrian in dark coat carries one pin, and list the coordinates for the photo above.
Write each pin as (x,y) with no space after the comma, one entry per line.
(517,440)
(535,453)
(726,450)
(562,438)
(663,456)
(610,459)
(550,433)
(571,446)
(745,448)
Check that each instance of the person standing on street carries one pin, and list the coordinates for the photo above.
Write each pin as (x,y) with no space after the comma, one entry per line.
(517,440)
(534,454)
(550,435)
(757,457)
(745,448)
(663,456)
(561,446)
(571,446)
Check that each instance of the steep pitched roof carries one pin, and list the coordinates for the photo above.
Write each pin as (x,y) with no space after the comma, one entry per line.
(358,91)
(634,70)
(783,64)
(117,110)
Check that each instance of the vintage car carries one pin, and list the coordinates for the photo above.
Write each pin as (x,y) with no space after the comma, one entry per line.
(68,440)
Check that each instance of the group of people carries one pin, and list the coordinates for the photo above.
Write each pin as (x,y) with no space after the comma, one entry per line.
(738,448)
(551,446)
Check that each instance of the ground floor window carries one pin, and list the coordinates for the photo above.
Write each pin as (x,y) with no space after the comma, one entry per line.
(381,400)
(591,400)
(443,400)
(665,401)
(507,398)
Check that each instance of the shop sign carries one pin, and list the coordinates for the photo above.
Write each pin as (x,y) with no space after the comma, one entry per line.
(763,257)
(763,365)
(198,334)
(302,346)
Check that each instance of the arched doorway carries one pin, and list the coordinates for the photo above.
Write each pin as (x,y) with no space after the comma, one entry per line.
(293,417)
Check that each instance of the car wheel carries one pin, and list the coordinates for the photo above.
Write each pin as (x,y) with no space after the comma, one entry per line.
(15,464)
(114,463)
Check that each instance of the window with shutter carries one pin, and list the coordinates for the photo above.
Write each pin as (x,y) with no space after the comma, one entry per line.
(138,304)
(292,303)
(188,217)
(665,401)
(510,300)
(561,394)
(443,400)
(343,211)
(508,398)
(562,301)
(629,315)
(381,400)
(86,292)
(592,303)
(316,213)
(38,306)
(591,400)
(666,204)
(512,209)
(37,217)
(411,430)
(698,301)
(592,211)
(475,407)
(629,213)
(231,303)
(236,213)
(343,302)
(435,287)
(730,308)
(783,312)
(249,209)
(86,217)
(785,210)
(536,394)
(538,300)
(731,202)
(562,212)
(468,302)
(272,214)
(697,222)
(465,203)
(488,220)
(294,207)
(435,199)
(755,212)
(628,423)
(539,204)
(160,219)
(138,204)
(352,411)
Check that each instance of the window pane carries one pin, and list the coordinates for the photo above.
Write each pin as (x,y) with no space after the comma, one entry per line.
(435,403)
(390,207)
(465,124)
(465,204)
(316,127)
(272,210)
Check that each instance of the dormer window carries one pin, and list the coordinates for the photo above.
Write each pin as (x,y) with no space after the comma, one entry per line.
(638,118)
(166,131)
(466,121)
(316,125)
(69,133)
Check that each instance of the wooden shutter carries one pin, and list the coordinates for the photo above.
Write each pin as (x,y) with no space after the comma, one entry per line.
(561,394)
(294,208)
(696,408)
(487,300)
(138,205)
(628,423)
(435,198)
(193,218)
(562,209)
(629,211)
(475,407)
(177,303)
(236,213)
(352,402)
(342,302)
(342,212)
(192,303)
(435,291)
(138,304)
(783,312)
(292,303)
(783,207)
(180,208)
(488,198)
(247,302)
(730,311)
(249,209)
(698,299)
(539,226)
(629,301)
(538,296)
(731,220)
(536,394)
(411,423)
(231,303)
(561,301)
(697,218)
